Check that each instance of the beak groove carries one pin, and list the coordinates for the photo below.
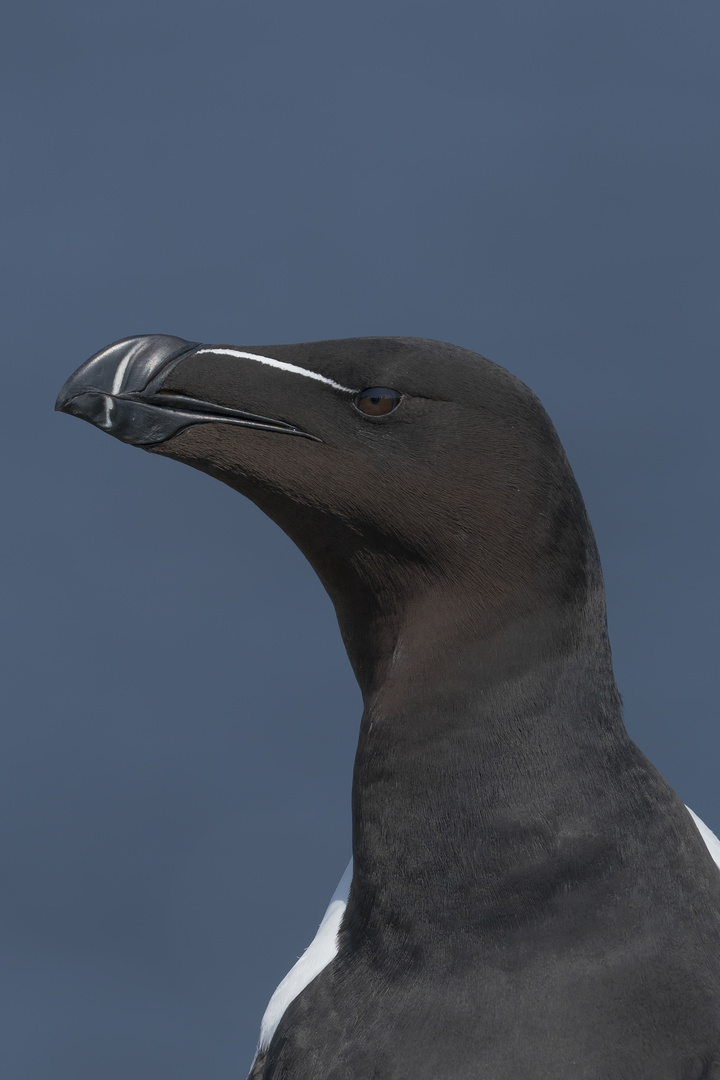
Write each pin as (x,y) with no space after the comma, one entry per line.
(120,391)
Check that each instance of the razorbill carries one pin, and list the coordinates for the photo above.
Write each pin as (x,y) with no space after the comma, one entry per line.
(528,897)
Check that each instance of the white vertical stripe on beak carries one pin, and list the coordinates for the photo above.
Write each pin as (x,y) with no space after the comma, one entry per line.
(292,368)
(120,371)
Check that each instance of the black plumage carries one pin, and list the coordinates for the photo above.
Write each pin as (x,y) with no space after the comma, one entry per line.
(530,898)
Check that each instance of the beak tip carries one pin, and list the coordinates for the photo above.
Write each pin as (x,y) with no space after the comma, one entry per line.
(128,364)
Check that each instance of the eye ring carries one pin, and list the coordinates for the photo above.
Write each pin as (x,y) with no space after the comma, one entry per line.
(377,401)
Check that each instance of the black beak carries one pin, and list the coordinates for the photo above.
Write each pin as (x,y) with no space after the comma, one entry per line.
(120,391)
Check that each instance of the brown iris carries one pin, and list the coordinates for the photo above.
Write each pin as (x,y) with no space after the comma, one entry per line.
(377,400)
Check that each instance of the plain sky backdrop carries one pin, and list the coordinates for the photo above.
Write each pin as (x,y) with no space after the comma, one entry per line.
(537,181)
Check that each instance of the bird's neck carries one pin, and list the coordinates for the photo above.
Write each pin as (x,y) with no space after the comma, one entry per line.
(487,774)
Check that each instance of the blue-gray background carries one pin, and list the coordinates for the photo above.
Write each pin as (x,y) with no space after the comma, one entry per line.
(535,181)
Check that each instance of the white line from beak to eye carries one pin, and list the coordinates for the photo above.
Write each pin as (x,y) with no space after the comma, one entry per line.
(292,368)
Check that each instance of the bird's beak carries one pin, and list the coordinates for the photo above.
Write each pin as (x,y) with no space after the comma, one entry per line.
(120,391)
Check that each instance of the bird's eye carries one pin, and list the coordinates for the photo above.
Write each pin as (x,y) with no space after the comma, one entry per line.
(377,401)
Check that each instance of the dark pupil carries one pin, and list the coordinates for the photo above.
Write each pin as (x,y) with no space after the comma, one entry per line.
(377,400)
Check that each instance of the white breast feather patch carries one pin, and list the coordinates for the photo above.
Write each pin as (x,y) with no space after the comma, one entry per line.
(319,953)
(711,841)
(323,947)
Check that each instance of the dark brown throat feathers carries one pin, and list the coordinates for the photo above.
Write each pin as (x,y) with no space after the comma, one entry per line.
(529,897)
